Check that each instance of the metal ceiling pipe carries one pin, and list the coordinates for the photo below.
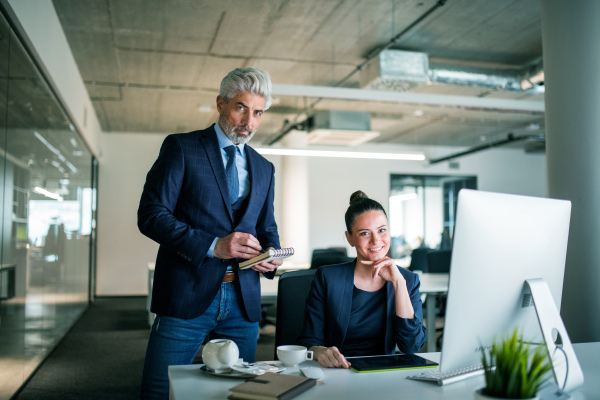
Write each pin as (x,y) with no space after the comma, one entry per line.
(288,127)
(510,139)
(507,79)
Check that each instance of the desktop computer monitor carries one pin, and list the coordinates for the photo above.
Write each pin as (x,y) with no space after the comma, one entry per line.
(500,241)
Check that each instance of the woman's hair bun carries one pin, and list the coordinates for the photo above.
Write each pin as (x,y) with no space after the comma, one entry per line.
(357,196)
(360,203)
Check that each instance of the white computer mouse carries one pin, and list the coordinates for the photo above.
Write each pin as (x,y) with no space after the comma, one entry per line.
(312,372)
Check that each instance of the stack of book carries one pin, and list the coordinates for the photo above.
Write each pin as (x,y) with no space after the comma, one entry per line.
(272,386)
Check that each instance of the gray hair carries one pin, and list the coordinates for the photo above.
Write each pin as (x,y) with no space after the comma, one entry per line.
(247,80)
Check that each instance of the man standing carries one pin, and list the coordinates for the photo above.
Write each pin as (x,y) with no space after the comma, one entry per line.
(208,200)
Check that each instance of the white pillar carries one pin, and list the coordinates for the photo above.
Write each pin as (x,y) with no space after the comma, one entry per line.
(570,34)
(294,227)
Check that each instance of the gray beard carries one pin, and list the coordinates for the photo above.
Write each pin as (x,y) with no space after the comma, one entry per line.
(229,131)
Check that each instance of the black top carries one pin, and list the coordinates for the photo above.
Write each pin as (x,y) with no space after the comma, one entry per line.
(366,328)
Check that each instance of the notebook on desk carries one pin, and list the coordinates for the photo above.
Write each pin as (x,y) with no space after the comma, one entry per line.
(390,362)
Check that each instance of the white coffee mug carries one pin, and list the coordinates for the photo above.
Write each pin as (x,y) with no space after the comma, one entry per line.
(293,355)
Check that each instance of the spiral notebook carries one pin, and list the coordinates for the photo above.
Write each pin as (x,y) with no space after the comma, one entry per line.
(268,255)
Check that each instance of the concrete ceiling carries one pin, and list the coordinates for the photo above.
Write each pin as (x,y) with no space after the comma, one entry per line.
(156,65)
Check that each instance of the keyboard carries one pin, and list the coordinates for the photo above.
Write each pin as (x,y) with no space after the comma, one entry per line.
(446,378)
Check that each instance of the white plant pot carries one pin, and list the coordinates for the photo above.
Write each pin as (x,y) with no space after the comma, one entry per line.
(480,396)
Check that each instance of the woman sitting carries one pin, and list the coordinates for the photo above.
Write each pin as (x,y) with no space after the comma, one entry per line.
(366,306)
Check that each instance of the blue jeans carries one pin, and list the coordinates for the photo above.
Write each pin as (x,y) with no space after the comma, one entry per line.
(175,341)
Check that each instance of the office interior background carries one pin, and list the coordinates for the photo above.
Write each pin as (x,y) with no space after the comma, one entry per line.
(502,92)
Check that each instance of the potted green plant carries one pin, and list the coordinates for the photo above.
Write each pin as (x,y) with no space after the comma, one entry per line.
(513,370)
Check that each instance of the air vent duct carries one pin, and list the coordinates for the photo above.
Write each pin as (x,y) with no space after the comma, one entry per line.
(396,70)
(342,128)
(402,71)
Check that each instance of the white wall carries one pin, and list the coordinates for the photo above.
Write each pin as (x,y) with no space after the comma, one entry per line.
(123,252)
(332,181)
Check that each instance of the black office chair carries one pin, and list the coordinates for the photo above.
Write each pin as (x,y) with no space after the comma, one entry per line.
(418,259)
(438,261)
(332,255)
(292,290)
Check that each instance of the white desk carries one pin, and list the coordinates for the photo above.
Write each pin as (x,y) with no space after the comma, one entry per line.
(431,284)
(188,382)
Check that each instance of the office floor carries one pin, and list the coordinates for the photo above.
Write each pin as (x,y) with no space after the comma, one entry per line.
(29,329)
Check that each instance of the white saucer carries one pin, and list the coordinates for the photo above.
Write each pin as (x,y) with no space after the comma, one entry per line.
(259,368)
(232,374)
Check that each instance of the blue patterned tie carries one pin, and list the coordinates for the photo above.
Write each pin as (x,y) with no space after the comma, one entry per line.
(232,173)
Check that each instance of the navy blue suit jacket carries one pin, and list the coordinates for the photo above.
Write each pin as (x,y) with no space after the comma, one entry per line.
(184,206)
(329,303)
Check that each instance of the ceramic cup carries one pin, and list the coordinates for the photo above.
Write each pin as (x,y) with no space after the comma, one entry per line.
(293,355)
(219,355)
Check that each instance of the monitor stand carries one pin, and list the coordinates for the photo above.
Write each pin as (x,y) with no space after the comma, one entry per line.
(567,372)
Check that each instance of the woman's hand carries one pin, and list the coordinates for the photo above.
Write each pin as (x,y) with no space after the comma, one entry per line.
(329,357)
(386,269)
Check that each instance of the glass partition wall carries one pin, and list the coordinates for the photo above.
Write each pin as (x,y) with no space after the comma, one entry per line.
(48,203)
(422,212)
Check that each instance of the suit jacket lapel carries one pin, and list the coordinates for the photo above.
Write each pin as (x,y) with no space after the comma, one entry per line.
(251,155)
(346,300)
(208,138)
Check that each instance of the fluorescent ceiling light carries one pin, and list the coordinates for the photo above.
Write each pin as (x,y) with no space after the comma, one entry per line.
(47,193)
(57,152)
(404,197)
(341,154)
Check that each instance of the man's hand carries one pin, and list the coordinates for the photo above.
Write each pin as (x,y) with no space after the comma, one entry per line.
(237,245)
(268,266)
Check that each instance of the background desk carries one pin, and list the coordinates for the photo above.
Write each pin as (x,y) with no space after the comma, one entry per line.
(431,284)
(188,382)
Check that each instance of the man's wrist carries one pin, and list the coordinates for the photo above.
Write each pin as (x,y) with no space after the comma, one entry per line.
(211,250)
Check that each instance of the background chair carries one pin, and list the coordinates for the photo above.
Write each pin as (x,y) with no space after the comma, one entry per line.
(292,291)
(418,259)
(332,255)
(438,261)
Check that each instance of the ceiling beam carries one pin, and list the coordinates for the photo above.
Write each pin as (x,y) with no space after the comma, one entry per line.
(415,98)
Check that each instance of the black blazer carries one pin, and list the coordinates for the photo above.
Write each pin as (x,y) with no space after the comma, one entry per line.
(184,206)
(329,303)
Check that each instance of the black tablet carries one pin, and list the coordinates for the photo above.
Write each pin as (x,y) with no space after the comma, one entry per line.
(391,362)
